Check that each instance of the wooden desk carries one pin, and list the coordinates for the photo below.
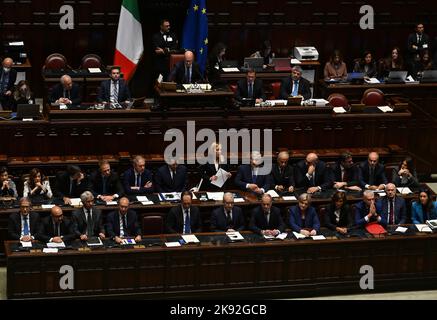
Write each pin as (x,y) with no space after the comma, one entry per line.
(215,268)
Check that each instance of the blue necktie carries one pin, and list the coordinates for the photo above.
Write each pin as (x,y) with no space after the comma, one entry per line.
(250,91)
(188,75)
(26,227)
(139,180)
(254,177)
(295,88)
(187,227)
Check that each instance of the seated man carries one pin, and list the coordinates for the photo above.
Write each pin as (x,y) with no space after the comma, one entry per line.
(251,88)
(227,218)
(345,173)
(295,85)
(137,179)
(71,184)
(249,178)
(372,173)
(186,71)
(393,207)
(312,174)
(105,184)
(184,219)
(266,219)
(123,223)
(23,225)
(66,92)
(87,221)
(8,77)
(369,211)
(114,90)
(56,228)
(171,177)
(283,174)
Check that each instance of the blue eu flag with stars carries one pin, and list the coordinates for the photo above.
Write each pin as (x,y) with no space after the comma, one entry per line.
(195,33)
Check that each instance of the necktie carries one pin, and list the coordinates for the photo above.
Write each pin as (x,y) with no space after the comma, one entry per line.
(71,187)
(124,225)
(253,177)
(187,227)
(188,75)
(115,91)
(372,176)
(295,88)
(228,218)
(173,173)
(89,223)
(57,231)
(138,180)
(392,215)
(3,82)
(345,176)
(250,91)
(420,38)
(25,227)
(104,191)
(267,217)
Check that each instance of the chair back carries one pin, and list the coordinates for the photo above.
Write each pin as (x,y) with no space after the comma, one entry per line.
(91,61)
(338,100)
(373,97)
(153,224)
(55,61)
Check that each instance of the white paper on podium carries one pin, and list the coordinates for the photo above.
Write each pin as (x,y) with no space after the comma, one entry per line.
(75,202)
(234,236)
(339,110)
(231,70)
(273,193)
(190,238)
(216,196)
(385,109)
(26,244)
(222,176)
(55,245)
(94,70)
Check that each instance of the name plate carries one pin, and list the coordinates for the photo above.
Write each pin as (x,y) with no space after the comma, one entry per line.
(35,251)
(139,246)
(84,249)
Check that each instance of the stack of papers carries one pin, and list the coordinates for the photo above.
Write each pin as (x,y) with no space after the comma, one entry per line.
(385,109)
(94,70)
(372,80)
(423,228)
(94,241)
(282,236)
(295,61)
(47,206)
(289,198)
(172,244)
(231,70)
(144,200)
(235,236)
(222,176)
(50,250)
(216,196)
(76,202)
(190,238)
(55,245)
(339,110)
(319,237)
(404,190)
(111,203)
(26,244)
(273,193)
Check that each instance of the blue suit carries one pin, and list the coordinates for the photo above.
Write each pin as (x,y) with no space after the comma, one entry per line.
(244,176)
(219,222)
(311,219)
(129,181)
(164,182)
(361,210)
(400,210)
(417,213)
(105,91)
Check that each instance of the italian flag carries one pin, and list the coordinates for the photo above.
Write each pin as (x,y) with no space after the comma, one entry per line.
(129,47)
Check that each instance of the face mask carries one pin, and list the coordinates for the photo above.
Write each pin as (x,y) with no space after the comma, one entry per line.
(6,69)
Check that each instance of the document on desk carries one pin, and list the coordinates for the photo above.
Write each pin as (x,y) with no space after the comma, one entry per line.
(111,203)
(319,237)
(423,228)
(231,70)
(50,250)
(16,44)
(190,238)
(56,245)
(235,236)
(401,229)
(222,176)
(372,81)
(298,235)
(94,241)
(404,190)
(295,61)
(289,198)
(282,236)
(47,206)
(203,86)
(216,196)
(128,241)
(273,193)
(385,109)
(142,198)
(170,196)
(277,102)
(26,244)
(172,244)
(94,70)
(238,200)
(147,203)
(339,110)
(76,202)
(319,102)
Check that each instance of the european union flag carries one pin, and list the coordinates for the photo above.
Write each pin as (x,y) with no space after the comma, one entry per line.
(195,33)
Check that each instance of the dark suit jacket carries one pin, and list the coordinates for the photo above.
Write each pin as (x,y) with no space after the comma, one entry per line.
(113,224)
(311,219)
(352,175)
(372,71)
(361,210)
(164,182)
(244,176)
(411,182)
(80,224)
(174,222)
(63,186)
(285,179)
(12,79)
(14,225)
(105,91)
(322,179)
(219,223)
(113,184)
(400,210)
(178,73)
(207,171)
(47,231)
(161,62)
(346,219)
(129,181)
(412,40)
(58,92)
(242,91)
(287,88)
(258,221)
(364,172)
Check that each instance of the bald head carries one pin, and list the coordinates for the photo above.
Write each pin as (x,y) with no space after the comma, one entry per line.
(312,158)
(7,63)
(66,82)
(373,158)
(56,213)
(189,58)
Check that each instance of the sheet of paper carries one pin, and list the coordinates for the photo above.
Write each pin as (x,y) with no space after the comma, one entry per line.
(277,102)
(295,61)
(50,250)
(298,235)
(47,206)
(96,242)
(401,229)
(268,237)
(222,176)
(55,245)
(273,193)
(142,198)
(190,238)
(63,106)
(289,198)
(128,241)
(320,102)
(234,235)
(372,81)
(75,202)
(339,110)
(238,200)
(172,244)
(385,109)
(319,237)
(216,196)
(170,196)
(94,70)
(404,190)
(231,70)
(282,236)
(147,203)
(26,244)
(16,43)
(423,228)
(111,203)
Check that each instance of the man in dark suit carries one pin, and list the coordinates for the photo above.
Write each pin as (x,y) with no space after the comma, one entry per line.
(67,92)
(295,85)
(8,76)
(418,42)
(249,177)
(393,207)
(266,219)
(171,177)
(87,221)
(137,179)
(312,174)
(184,219)
(71,184)
(23,225)
(283,174)
(251,88)
(164,43)
(123,223)
(186,71)
(105,184)
(369,210)
(345,173)
(114,90)
(56,228)
(227,218)
(372,173)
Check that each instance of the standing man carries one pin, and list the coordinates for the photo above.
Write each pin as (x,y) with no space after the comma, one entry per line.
(8,76)
(393,207)
(23,225)
(295,85)
(88,219)
(114,90)
(164,43)
(417,43)
(123,223)
(251,88)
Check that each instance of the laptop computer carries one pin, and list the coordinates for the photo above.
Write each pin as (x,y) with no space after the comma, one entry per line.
(294,101)
(229,64)
(355,77)
(248,102)
(28,111)
(397,77)
(429,76)
(281,64)
(254,63)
